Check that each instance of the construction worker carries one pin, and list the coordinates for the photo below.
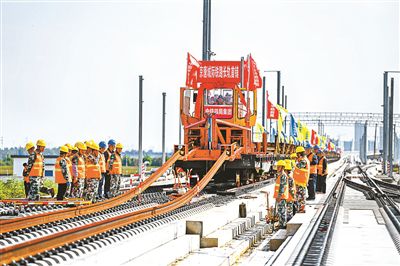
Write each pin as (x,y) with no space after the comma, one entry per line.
(30,148)
(69,165)
(26,179)
(89,144)
(107,155)
(36,172)
(62,172)
(312,181)
(281,193)
(74,151)
(291,201)
(78,171)
(322,172)
(93,173)
(301,174)
(102,163)
(293,158)
(115,169)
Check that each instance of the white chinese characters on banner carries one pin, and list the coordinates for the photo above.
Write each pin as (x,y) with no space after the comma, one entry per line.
(219,111)
(206,72)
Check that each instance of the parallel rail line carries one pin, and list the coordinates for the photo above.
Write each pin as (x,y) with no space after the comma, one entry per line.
(33,247)
(9,225)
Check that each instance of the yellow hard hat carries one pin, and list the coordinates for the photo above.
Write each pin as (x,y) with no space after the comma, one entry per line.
(74,148)
(293,156)
(119,146)
(89,144)
(81,146)
(41,142)
(300,149)
(281,163)
(288,165)
(95,146)
(64,149)
(29,145)
(69,146)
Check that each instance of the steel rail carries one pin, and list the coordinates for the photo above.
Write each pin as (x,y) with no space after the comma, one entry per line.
(33,247)
(29,221)
(384,200)
(307,242)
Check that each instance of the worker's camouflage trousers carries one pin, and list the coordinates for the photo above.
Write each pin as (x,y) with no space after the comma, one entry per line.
(35,184)
(77,188)
(290,210)
(282,213)
(115,182)
(91,188)
(301,198)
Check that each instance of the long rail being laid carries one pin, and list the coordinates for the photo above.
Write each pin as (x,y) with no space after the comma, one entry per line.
(24,222)
(33,247)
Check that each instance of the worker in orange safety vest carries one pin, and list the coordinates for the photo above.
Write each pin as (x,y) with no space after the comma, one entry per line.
(291,201)
(62,174)
(36,172)
(115,169)
(281,193)
(301,174)
(30,148)
(93,172)
(312,181)
(78,171)
(322,172)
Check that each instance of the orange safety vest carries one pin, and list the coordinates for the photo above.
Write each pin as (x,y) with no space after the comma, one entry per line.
(320,167)
(37,167)
(302,175)
(285,194)
(290,197)
(313,168)
(117,165)
(81,167)
(92,170)
(102,163)
(59,177)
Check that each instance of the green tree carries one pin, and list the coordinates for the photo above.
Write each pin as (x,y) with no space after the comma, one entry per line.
(12,188)
(148,158)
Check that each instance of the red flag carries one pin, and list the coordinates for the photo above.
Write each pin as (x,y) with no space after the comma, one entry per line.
(191,73)
(273,112)
(252,77)
(314,138)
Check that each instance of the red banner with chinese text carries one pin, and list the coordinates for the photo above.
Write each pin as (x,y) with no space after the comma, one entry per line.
(218,111)
(272,112)
(211,72)
(217,71)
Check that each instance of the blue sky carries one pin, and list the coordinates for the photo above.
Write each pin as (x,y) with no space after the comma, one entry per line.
(70,69)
